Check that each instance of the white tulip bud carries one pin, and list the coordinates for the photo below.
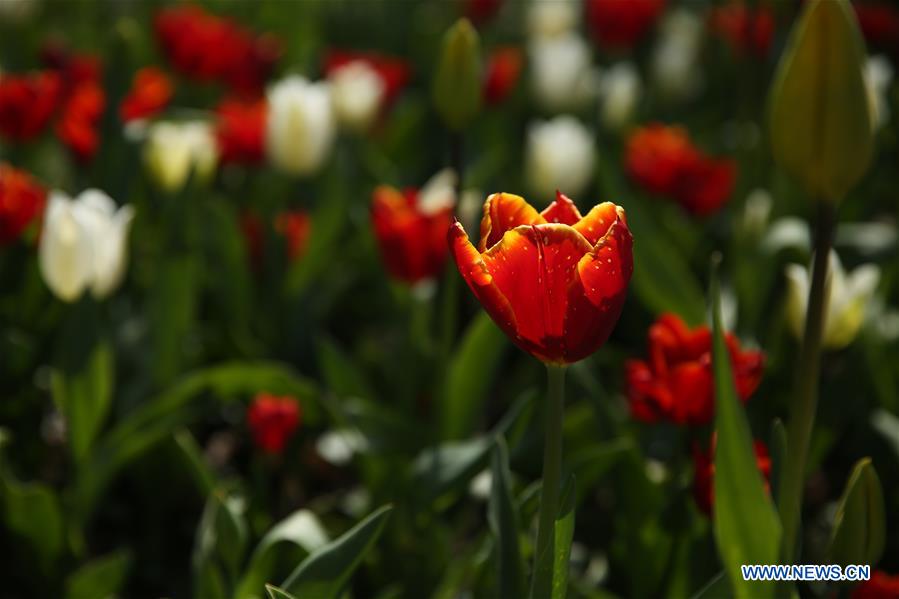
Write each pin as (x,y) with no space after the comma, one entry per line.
(357,92)
(562,74)
(301,128)
(172,151)
(561,155)
(620,88)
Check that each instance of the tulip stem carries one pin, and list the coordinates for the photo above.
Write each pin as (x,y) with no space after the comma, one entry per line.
(542,581)
(805,397)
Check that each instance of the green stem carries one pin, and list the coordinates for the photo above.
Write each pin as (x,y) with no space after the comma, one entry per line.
(541,584)
(805,398)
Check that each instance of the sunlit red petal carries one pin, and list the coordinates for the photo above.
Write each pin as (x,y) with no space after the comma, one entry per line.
(503,212)
(562,210)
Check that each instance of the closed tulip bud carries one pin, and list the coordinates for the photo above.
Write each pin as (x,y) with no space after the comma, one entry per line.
(620,89)
(562,74)
(301,126)
(848,297)
(174,151)
(819,118)
(357,92)
(560,155)
(457,83)
(549,19)
(84,244)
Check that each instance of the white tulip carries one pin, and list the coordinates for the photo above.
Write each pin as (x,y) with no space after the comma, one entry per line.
(561,156)
(562,74)
(172,151)
(620,89)
(438,193)
(675,62)
(756,212)
(878,77)
(84,244)
(357,92)
(17,11)
(301,125)
(848,295)
(550,19)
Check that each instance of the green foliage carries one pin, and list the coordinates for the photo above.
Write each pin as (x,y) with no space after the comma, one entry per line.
(564,534)
(503,520)
(860,522)
(101,578)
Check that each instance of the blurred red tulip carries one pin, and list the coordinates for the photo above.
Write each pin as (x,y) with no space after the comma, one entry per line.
(151,91)
(553,281)
(621,24)
(22,200)
(676,382)
(704,473)
(240,131)
(664,161)
(294,225)
(880,586)
(480,11)
(394,72)
(503,71)
(27,102)
(746,30)
(411,237)
(272,421)
(206,47)
(879,22)
(79,120)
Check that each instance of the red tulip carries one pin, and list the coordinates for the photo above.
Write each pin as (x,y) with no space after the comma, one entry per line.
(27,102)
(553,281)
(205,47)
(22,200)
(676,382)
(621,24)
(880,586)
(747,31)
(240,131)
(503,71)
(79,121)
(704,477)
(663,160)
(393,72)
(411,234)
(272,421)
(151,91)
(480,11)
(879,22)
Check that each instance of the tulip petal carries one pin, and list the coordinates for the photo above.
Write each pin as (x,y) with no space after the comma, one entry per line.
(564,211)
(534,266)
(503,212)
(479,279)
(597,222)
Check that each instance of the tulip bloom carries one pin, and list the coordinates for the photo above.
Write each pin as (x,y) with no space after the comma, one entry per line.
(26,104)
(300,127)
(393,73)
(79,122)
(880,586)
(559,152)
(848,297)
(240,131)
(747,31)
(84,244)
(151,91)
(879,23)
(410,228)
(676,382)
(621,24)
(553,281)
(22,200)
(175,150)
(272,421)
(663,160)
(704,474)
(503,71)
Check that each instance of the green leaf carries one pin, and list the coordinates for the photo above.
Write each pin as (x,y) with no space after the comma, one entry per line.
(747,529)
(219,545)
(888,426)
(100,578)
(859,527)
(330,218)
(470,376)
(31,510)
(777,448)
(277,593)
(820,122)
(324,573)
(457,83)
(195,462)
(504,524)
(342,376)
(563,535)
(85,397)
(449,466)
(716,588)
(158,418)
(301,529)
(172,307)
